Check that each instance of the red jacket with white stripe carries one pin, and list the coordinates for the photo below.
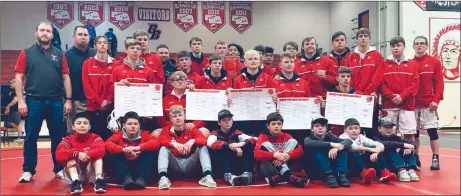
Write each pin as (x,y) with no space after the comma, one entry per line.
(270,70)
(118,141)
(205,81)
(95,79)
(430,81)
(278,142)
(363,69)
(338,60)
(294,87)
(397,78)
(168,135)
(169,101)
(70,146)
(153,61)
(307,70)
(262,81)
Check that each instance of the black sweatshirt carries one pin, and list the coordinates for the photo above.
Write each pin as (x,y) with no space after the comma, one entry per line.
(75,58)
(391,142)
(317,144)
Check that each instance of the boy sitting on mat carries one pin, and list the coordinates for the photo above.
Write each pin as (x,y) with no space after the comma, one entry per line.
(404,160)
(81,154)
(326,153)
(274,149)
(183,152)
(364,154)
(229,149)
(133,152)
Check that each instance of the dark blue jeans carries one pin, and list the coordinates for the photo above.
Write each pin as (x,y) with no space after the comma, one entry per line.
(142,167)
(317,164)
(358,161)
(37,110)
(227,161)
(397,160)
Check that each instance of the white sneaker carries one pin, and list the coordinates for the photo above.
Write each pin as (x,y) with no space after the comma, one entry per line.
(25,177)
(59,174)
(413,176)
(207,181)
(164,183)
(19,140)
(404,176)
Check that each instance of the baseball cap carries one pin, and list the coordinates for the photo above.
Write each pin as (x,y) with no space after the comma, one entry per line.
(386,121)
(351,121)
(223,113)
(319,119)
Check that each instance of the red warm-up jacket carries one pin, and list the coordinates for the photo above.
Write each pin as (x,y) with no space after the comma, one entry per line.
(294,87)
(169,101)
(70,146)
(153,61)
(338,60)
(363,69)
(278,142)
(168,134)
(262,80)
(96,81)
(430,81)
(270,70)
(396,78)
(198,64)
(206,82)
(307,70)
(118,141)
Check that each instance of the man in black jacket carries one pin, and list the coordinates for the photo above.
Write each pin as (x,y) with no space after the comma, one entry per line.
(76,55)
(326,153)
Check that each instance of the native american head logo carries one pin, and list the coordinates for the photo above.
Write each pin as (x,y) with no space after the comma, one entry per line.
(446,47)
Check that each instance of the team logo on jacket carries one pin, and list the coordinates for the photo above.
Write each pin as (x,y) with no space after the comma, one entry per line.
(270,91)
(157,87)
(405,65)
(54,57)
(141,71)
(151,62)
(261,79)
(369,57)
(297,84)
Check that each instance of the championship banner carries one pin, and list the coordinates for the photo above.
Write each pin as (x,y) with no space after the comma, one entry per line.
(213,15)
(60,13)
(154,14)
(185,14)
(121,14)
(91,11)
(240,15)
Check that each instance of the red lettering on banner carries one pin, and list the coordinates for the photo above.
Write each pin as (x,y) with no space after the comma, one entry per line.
(213,16)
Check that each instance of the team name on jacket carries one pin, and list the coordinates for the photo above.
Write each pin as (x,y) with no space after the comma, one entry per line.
(279,142)
(307,70)
(168,135)
(431,84)
(70,146)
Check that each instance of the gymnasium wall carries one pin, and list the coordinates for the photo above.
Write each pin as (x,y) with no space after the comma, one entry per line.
(413,22)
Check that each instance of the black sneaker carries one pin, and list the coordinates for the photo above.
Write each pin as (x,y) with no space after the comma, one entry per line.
(128,184)
(99,186)
(247,178)
(330,179)
(140,183)
(435,163)
(342,180)
(76,187)
(274,180)
(297,181)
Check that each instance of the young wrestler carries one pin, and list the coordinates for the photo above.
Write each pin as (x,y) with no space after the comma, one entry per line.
(340,53)
(274,149)
(81,154)
(364,153)
(199,61)
(133,153)
(329,154)
(229,148)
(404,162)
(292,48)
(183,152)
(221,48)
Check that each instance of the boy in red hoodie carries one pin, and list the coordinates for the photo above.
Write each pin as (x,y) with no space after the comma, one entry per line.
(274,149)
(133,153)
(81,154)
(183,152)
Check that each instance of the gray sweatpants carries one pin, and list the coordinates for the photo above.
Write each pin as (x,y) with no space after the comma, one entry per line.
(181,167)
(286,147)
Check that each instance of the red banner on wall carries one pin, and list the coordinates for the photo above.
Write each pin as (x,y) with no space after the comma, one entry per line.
(121,14)
(185,14)
(60,13)
(213,15)
(240,15)
(91,11)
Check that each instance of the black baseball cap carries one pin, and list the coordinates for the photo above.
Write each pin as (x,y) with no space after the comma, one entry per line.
(351,121)
(223,113)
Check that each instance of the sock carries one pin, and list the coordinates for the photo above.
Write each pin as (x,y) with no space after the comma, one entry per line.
(162,174)
(74,177)
(207,172)
(435,156)
(99,176)
(287,174)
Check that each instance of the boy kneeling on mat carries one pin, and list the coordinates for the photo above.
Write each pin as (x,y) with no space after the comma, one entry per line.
(183,152)
(274,149)
(230,148)
(364,154)
(404,160)
(81,154)
(329,154)
(133,152)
